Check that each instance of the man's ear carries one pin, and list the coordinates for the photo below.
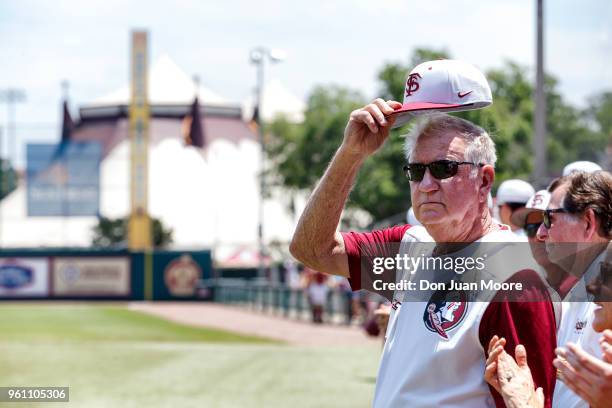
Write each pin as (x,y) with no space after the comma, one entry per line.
(592,223)
(487,179)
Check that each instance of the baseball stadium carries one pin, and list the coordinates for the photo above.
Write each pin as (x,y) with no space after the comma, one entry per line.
(216,205)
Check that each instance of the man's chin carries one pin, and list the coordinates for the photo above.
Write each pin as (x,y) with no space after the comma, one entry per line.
(431,221)
(600,323)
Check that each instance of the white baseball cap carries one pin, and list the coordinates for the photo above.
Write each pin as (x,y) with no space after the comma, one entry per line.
(514,191)
(443,85)
(538,202)
(586,166)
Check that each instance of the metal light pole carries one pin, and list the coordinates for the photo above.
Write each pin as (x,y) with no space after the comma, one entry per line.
(539,140)
(258,57)
(11,96)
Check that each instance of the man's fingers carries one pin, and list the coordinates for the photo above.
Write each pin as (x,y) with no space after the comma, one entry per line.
(377,114)
(492,342)
(607,335)
(384,107)
(497,343)
(581,360)
(520,355)
(491,376)
(394,104)
(495,354)
(365,117)
(573,379)
(606,349)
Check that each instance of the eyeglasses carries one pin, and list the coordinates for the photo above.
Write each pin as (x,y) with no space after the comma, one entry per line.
(547,220)
(532,229)
(440,169)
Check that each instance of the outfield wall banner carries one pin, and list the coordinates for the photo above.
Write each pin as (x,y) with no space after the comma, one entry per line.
(24,277)
(91,276)
(63,179)
(176,274)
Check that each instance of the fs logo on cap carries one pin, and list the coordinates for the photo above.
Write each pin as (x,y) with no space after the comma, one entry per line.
(538,199)
(445,311)
(412,85)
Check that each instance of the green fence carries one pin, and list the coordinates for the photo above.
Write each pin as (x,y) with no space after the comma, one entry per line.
(276,299)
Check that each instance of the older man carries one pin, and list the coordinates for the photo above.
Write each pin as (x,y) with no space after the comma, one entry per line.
(426,361)
(577,227)
(529,218)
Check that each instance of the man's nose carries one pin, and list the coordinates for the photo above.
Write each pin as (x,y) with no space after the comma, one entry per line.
(429,182)
(542,233)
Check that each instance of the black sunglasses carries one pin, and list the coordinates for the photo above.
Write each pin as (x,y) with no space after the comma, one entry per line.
(547,220)
(440,169)
(532,229)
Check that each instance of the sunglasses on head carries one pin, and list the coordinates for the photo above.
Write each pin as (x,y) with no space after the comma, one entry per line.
(547,219)
(439,169)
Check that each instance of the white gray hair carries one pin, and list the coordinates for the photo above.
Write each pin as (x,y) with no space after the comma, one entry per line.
(480,147)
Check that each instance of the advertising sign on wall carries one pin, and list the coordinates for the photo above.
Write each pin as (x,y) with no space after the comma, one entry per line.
(91,276)
(178,274)
(63,179)
(24,277)
(181,276)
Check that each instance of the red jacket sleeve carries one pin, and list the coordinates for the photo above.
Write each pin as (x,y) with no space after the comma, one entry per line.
(530,323)
(361,246)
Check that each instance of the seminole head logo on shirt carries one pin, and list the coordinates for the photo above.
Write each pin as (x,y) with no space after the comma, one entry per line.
(445,311)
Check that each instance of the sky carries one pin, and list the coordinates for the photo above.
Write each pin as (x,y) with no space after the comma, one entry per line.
(343,42)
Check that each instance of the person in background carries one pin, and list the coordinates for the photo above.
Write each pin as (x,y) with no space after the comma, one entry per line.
(317,296)
(512,195)
(589,377)
(529,218)
(577,228)
(586,166)
(346,294)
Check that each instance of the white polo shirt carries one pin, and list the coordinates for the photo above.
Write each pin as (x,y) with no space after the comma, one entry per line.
(577,327)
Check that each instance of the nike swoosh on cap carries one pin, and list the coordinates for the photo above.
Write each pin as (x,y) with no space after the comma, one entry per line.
(459,94)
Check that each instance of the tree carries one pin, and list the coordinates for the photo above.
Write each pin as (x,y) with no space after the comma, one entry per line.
(301,152)
(599,116)
(8,178)
(113,232)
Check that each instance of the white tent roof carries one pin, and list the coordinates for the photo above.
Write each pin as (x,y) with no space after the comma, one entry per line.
(168,84)
(277,99)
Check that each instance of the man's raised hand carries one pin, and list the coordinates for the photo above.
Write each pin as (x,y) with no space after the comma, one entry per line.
(369,127)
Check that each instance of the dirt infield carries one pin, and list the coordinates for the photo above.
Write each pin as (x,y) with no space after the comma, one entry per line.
(248,322)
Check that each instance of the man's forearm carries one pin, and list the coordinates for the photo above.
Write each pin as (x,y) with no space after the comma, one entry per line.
(315,233)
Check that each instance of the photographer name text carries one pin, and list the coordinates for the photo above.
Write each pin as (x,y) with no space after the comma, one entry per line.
(422,284)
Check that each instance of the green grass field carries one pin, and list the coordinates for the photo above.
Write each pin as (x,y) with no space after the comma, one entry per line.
(112,357)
